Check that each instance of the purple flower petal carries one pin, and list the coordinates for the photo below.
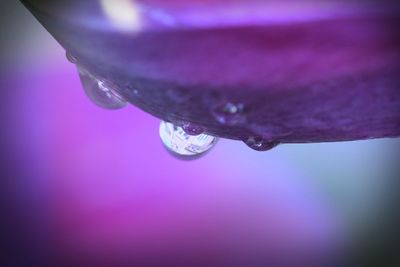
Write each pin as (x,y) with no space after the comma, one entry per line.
(302,71)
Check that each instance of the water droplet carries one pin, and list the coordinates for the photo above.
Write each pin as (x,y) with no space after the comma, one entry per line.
(182,144)
(71,58)
(229,113)
(192,129)
(178,94)
(260,144)
(100,93)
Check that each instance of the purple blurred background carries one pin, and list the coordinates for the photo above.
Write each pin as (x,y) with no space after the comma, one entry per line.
(82,186)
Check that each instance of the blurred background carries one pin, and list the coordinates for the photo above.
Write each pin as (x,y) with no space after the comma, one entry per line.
(82,186)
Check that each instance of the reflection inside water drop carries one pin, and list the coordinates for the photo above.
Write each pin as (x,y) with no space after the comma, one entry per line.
(180,143)
(99,92)
(192,129)
(259,144)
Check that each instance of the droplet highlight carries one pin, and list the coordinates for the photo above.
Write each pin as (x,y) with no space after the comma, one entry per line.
(260,144)
(135,92)
(183,145)
(100,93)
(229,113)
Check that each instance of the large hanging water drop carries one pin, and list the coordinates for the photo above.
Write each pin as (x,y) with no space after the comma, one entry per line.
(259,144)
(181,144)
(102,95)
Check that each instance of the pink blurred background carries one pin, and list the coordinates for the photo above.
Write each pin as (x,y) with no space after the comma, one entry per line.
(82,186)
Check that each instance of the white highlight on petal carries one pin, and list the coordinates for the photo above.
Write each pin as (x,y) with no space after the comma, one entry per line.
(123,14)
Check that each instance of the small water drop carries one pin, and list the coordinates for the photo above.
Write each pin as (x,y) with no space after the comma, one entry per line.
(260,144)
(229,113)
(182,144)
(192,129)
(71,58)
(100,93)
(179,95)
